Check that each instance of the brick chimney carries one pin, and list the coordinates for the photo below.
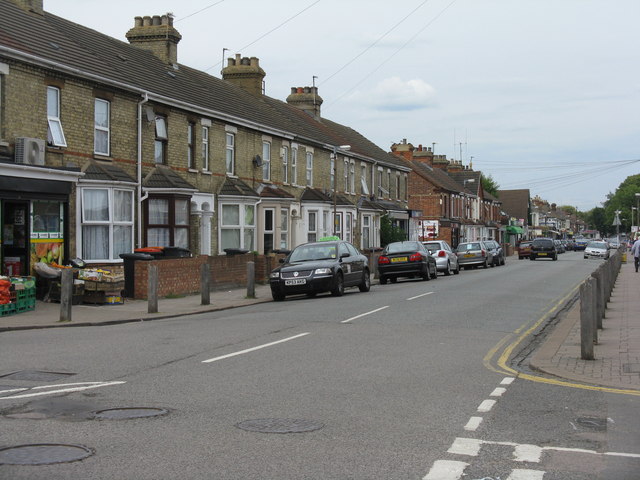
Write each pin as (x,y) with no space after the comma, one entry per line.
(455,166)
(157,35)
(404,150)
(245,73)
(34,6)
(307,99)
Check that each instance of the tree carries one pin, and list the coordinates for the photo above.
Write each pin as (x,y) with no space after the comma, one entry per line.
(490,185)
(390,233)
(622,199)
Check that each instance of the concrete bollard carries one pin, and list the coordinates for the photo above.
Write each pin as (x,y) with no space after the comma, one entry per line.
(599,296)
(66,294)
(586,319)
(152,289)
(251,280)
(205,284)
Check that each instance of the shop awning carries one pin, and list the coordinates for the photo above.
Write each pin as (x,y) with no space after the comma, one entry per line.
(514,230)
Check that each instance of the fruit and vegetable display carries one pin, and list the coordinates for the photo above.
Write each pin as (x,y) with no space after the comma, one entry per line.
(46,252)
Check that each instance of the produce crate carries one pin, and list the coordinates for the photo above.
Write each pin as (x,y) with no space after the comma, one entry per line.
(104,286)
(26,305)
(76,295)
(7,309)
(99,297)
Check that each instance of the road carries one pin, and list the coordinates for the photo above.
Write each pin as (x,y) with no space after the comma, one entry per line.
(402,382)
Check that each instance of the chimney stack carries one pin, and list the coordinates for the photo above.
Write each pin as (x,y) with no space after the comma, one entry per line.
(403,150)
(245,73)
(306,99)
(157,35)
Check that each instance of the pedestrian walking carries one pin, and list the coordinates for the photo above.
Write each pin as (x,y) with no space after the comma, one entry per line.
(635,251)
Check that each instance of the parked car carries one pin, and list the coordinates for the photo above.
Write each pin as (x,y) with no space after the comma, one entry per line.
(496,252)
(596,250)
(524,250)
(446,259)
(570,245)
(317,267)
(543,248)
(474,254)
(559,246)
(406,259)
(581,243)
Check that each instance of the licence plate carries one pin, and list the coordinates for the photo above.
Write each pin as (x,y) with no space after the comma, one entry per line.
(469,255)
(296,281)
(398,259)
(542,254)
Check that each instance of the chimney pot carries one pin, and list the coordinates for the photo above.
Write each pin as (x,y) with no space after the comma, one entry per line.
(146,21)
(137,22)
(156,20)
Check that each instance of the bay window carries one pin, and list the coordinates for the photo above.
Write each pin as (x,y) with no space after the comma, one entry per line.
(167,221)
(237,226)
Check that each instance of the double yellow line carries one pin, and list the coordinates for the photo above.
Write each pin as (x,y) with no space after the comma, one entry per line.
(501,363)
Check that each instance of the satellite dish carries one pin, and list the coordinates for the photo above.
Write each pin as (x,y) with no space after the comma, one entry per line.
(257,161)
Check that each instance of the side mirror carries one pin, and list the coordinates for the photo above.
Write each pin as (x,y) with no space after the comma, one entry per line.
(281,260)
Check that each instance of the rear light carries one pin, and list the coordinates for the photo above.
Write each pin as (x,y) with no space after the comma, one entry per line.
(442,253)
(484,254)
(383,260)
(416,257)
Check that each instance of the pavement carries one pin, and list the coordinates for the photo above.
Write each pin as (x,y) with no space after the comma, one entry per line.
(617,353)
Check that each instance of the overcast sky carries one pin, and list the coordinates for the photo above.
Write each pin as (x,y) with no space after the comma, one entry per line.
(543,94)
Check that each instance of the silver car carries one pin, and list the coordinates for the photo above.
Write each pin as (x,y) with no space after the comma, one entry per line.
(596,250)
(446,259)
(474,254)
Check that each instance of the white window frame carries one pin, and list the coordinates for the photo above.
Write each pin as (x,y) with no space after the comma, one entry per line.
(284,228)
(285,164)
(352,177)
(100,129)
(309,168)
(111,222)
(367,224)
(161,138)
(312,233)
(230,153)
(389,182)
(191,139)
(56,132)
(266,160)
(398,186)
(294,164)
(242,226)
(205,148)
(348,224)
(346,175)
(363,179)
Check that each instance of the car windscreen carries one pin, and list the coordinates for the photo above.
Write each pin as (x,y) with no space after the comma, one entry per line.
(543,243)
(597,245)
(403,247)
(432,245)
(307,253)
(464,247)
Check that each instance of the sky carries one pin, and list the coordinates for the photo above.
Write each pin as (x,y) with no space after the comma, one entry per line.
(538,94)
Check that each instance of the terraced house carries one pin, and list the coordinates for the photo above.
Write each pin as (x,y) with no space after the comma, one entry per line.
(106,146)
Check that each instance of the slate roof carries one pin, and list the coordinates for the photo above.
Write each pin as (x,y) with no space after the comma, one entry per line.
(463,175)
(87,53)
(315,195)
(436,176)
(272,191)
(236,187)
(105,172)
(162,177)
(516,203)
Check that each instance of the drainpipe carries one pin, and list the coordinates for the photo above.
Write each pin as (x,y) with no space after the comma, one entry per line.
(141,198)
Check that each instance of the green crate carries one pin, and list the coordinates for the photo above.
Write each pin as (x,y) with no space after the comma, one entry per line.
(25,305)
(7,309)
(27,293)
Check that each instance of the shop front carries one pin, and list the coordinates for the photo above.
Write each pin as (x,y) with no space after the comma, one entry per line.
(34,206)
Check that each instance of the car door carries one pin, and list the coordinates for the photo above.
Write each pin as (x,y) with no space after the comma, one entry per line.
(358,262)
(347,262)
(453,258)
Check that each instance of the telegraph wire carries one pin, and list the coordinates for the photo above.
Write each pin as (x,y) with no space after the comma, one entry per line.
(201,10)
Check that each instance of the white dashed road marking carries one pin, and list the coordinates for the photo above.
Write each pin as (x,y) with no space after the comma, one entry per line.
(522,474)
(473,424)
(418,296)
(446,470)
(69,387)
(498,392)
(486,406)
(507,380)
(364,314)
(254,348)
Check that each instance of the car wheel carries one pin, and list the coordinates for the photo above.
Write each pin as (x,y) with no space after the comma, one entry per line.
(520,258)
(486,264)
(435,272)
(338,288)
(277,297)
(393,279)
(532,258)
(383,280)
(457,270)
(555,257)
(365,285)
(447,272)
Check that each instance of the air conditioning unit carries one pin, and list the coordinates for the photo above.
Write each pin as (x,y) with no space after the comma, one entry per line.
(30,151)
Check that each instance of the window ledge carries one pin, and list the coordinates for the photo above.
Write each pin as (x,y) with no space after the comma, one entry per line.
(107,158)
(206,172)
(192,170)
(3,143)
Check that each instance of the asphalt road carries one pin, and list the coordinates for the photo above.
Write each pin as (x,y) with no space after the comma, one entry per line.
(398,383)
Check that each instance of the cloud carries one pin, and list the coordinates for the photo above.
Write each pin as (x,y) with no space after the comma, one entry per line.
(395,94)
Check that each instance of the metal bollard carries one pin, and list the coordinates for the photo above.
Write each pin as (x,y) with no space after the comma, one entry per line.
(251,280)
(152,289)
(66,294)
(205,284)
(586,319)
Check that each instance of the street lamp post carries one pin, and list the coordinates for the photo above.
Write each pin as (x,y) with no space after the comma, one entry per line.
(334,155)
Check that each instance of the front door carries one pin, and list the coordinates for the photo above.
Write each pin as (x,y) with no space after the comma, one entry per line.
(15,238)
(268,229)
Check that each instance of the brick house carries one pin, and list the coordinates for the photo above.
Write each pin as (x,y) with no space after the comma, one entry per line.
(106,146)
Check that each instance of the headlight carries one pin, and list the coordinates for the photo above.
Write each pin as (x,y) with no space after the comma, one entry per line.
(274,275)
(323,271)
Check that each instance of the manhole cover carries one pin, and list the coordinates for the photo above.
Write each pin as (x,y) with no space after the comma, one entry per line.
(593,423)
(37,376)
(43,454)
(280,425)
(129,412)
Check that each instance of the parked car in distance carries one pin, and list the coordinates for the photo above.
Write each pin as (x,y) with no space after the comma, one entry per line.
(406,259)
(596,250)
(317,267)
(570,245)
(559,246)
(446,259)
(524,250)
(474,254)
(543,248)
(496,252)
(581,243)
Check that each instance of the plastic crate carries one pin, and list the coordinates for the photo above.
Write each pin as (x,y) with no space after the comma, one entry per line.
(25,305)
(7,309)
